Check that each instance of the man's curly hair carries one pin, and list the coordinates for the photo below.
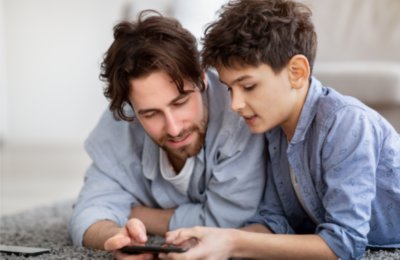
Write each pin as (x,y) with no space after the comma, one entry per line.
(152,43)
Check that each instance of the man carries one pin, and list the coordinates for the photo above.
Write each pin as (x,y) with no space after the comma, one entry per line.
(179,157)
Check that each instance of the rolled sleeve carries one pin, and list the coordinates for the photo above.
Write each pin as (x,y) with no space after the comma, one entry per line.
(350,159)
(87,217)
(99,199)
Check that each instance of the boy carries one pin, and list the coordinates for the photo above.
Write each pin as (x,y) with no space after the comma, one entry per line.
(334,164)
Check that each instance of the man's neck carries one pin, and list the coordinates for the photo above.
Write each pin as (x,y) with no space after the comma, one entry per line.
(177,163)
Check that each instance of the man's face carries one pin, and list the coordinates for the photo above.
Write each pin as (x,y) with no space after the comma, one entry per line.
(176,122)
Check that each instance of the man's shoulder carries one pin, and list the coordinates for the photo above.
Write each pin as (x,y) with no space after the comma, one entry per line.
(114,136)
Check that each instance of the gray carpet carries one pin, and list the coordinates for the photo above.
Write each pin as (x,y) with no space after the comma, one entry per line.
(47,227)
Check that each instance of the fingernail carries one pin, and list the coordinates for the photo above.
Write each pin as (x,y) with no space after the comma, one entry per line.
(143,237)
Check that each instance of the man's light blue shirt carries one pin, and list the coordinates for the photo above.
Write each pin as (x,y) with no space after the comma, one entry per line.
(226,185)
(345,159)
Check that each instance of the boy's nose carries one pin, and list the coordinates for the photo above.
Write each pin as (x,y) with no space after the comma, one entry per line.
(237,102)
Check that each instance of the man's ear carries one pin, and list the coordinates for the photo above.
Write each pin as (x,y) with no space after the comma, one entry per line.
(299,71)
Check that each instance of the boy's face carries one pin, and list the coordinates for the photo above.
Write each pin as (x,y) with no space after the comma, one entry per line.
(264,99)
(176,122)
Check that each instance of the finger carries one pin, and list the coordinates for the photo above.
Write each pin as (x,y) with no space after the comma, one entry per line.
(193,253)
(180,235)
(191,242)
(116,242)
(179,256)
(137,230)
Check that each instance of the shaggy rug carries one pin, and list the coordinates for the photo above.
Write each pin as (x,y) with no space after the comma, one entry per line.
(47,227)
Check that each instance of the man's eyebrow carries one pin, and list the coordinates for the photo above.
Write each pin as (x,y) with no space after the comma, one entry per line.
(180,96)
(145,111)
(241,78)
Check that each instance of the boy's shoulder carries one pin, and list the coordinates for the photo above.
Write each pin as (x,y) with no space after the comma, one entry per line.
(333,107)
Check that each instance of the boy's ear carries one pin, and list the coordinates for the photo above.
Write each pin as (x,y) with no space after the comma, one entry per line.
(299,71)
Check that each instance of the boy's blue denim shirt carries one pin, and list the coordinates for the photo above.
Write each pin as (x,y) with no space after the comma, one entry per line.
(345,158)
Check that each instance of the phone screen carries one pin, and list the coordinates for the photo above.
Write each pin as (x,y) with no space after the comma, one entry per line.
(138,249)
(23,250)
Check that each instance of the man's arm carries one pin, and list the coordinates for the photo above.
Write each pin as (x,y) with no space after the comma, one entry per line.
(97,234)
(156,221)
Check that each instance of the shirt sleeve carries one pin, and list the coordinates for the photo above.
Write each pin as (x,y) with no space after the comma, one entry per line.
(349,160)
(101,198)
(270,211)
(232,193)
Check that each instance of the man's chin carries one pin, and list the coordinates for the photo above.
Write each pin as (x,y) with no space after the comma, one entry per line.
(181,153)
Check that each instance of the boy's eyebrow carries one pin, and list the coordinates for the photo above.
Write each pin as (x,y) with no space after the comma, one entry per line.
(241,78)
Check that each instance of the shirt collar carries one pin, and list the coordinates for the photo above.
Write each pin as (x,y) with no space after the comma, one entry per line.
(307,114)
(308,111)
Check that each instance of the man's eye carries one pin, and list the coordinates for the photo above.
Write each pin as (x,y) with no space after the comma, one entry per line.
(149,115)
(181,102)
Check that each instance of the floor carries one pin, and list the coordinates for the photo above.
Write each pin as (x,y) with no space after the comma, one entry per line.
(33,175)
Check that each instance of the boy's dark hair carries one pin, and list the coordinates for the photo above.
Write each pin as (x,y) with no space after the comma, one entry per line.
(152,43)
(251,32)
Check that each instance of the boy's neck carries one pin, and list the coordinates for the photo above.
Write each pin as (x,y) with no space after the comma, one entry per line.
(289,127)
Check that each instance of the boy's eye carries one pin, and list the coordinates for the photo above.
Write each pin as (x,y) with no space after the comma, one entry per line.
(249,87)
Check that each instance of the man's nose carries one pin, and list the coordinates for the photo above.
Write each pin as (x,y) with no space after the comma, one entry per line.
(173,124)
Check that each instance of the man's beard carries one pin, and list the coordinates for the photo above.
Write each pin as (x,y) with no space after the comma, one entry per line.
(189,150)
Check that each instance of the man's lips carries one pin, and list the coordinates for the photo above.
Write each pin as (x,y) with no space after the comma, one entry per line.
(180,141)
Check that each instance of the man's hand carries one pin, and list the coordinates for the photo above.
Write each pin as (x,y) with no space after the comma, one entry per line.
(156,221)
(133,233)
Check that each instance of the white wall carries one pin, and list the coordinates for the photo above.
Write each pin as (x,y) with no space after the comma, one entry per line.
(54,49)
(53,52)
(195,15)
(3,80)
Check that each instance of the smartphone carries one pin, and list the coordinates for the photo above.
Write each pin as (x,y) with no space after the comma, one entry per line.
(155,249)
(23,250)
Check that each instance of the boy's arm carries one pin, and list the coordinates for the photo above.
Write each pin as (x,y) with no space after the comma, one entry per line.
(225,243)
(280,246)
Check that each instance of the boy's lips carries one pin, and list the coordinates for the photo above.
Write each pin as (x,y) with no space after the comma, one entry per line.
(250,120)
